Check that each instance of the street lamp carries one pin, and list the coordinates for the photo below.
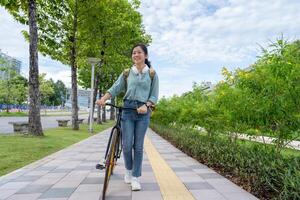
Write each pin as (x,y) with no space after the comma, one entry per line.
(93,61)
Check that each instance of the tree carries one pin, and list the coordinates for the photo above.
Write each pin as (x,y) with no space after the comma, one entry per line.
(19,89)
(13,87)
(47,90)
(109,32)
(60,90)
(17,8)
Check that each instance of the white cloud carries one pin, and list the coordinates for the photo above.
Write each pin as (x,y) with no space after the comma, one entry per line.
(194,31)
(202,36)
(192,39)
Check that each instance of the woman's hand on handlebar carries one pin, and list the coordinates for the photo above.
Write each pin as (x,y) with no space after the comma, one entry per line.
(101,102)
(142,110)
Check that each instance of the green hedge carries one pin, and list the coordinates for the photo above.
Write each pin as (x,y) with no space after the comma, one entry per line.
(262,171)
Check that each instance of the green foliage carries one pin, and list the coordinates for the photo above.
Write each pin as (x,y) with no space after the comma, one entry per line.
(52,94)
(260,169)
(109,31)
(262,99)
(13,87)
(46,89)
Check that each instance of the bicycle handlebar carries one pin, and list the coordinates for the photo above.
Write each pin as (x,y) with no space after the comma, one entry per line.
(119,107)
(126,108)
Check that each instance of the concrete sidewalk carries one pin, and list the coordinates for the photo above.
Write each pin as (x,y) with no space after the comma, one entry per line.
(71,174)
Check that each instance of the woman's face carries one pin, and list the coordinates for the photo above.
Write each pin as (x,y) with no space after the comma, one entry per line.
(138,56)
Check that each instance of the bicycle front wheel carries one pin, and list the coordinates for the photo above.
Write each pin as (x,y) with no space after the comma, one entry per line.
(110,162)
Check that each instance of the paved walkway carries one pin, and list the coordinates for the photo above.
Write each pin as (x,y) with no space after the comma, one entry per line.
(71,174)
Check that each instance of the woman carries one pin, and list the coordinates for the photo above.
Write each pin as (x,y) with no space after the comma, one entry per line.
(141,93)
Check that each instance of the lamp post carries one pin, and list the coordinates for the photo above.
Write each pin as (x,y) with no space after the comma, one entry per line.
(93,61)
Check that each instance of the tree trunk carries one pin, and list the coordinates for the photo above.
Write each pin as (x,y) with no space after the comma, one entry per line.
(74,98)
(34,119)
(113,110)
(99,121)
(103,114)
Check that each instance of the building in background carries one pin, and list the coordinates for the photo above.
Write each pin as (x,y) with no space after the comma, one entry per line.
(83,98)
(10,62)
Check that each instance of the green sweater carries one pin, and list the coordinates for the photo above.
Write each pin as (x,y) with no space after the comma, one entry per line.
(138,86)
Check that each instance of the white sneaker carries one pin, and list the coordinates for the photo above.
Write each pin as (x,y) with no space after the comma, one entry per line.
(135,184)
(127,177)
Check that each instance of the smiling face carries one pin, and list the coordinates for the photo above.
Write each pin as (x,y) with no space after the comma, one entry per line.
(138,56)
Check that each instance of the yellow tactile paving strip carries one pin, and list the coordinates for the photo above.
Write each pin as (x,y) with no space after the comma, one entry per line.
(170,185)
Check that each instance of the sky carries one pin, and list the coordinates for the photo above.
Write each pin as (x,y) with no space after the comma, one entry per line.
(191,39)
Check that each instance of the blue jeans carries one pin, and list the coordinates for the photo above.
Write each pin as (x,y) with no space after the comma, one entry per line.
(134,127)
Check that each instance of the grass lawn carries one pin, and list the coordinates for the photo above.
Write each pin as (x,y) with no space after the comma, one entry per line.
(17,151)
(13,114)
(43,113)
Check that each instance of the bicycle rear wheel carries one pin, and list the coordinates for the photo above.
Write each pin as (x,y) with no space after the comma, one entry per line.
(110,162)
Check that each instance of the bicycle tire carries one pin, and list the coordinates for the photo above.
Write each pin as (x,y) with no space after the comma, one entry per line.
(110,162)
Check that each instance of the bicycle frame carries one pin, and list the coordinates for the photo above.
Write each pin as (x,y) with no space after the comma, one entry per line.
(117,126)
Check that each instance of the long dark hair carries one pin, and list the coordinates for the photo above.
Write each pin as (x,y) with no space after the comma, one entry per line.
(145,50)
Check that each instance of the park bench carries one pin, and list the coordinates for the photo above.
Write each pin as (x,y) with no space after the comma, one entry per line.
(62,122)
(80,121)
(20,127)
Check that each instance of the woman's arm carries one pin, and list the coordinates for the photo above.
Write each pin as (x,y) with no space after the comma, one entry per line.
(117,87)
(101,102)
(153,97)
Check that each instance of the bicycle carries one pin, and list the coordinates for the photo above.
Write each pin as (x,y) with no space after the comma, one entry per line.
(113,150)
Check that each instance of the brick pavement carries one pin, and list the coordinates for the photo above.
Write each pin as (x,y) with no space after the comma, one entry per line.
(71,174)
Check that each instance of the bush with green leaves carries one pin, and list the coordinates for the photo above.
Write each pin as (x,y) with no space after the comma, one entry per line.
(261,99)
(264,97)
(262,171)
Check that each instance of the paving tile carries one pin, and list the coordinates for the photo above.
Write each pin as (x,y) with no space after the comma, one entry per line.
(54,199)
(46,181)
(26,178)
(198,166)
(24,196)
(56,170)
(207,195)
(203,171)
(45,168)
(85,196)
(54,175)
(239,196)
(118,198)
(2,182)
(37,173)
(93,180)
(96,174)
(67,183)
(230,188)
(210,175)
(150,186)
(198,185)
(5,193)
(117,176)
(14,185)
(146,195)
(89,188)
(34,189)
(181,169)
(58,193)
